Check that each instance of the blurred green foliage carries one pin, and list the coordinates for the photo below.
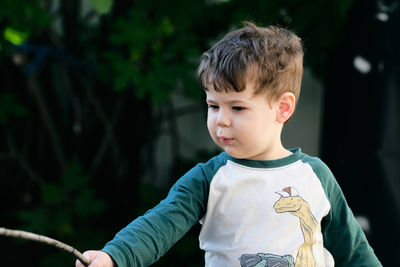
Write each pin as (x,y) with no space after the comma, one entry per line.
(82,83)
(25,18)
(9,107)
(15,37)
(62,204)
(102,6)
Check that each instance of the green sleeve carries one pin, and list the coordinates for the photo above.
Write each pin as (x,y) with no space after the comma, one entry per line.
(343,236)
(149,237)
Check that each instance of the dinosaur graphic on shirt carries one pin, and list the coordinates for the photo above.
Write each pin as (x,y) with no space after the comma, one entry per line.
(266,260)
(290,202)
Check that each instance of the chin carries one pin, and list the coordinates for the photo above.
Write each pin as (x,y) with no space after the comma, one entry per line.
(236,155)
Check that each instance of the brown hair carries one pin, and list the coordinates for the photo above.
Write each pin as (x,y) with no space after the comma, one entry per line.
(270,58)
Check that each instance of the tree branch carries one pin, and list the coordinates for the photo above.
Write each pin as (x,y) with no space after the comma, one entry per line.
(13,154)
(51,128)
(108,123)
(46,240)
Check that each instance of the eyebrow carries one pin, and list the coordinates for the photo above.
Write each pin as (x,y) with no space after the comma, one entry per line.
(232,102)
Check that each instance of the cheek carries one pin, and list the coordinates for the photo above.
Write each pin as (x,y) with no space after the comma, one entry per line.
(253,131)
(210,123)
(244,124)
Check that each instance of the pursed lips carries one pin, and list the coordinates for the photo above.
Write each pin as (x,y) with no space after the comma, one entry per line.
(225,140)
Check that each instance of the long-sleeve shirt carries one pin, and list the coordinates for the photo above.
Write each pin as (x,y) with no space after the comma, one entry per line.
(287,212)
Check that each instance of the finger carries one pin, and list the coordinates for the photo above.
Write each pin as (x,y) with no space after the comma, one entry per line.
(89,255)
(78,263)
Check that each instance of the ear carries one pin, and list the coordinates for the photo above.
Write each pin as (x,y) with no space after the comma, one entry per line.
(286,104)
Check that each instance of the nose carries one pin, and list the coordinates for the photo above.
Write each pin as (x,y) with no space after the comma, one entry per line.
(223,119)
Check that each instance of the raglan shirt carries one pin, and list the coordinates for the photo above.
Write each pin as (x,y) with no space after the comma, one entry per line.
(283,212)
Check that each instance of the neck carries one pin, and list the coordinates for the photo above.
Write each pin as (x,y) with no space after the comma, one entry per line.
(274,153)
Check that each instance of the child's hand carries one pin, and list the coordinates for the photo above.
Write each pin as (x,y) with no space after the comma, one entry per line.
(97,259)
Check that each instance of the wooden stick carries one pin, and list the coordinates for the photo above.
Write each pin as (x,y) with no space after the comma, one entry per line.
(46,240)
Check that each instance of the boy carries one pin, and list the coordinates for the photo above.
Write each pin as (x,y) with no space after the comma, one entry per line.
(259,204)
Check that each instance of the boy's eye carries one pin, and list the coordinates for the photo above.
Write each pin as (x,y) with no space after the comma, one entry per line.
(238,108)
(213,107)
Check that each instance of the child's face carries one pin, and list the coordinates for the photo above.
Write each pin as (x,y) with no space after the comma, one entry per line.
(243,124)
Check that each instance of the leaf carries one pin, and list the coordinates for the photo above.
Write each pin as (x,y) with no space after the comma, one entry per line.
(87,205)
(74,177)
(10,107)
(165,27)
(33,220)
(102,6)
(52,194)
(15,37)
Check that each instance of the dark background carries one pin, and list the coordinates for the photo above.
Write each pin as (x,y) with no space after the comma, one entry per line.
(82,83)
(362,124)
